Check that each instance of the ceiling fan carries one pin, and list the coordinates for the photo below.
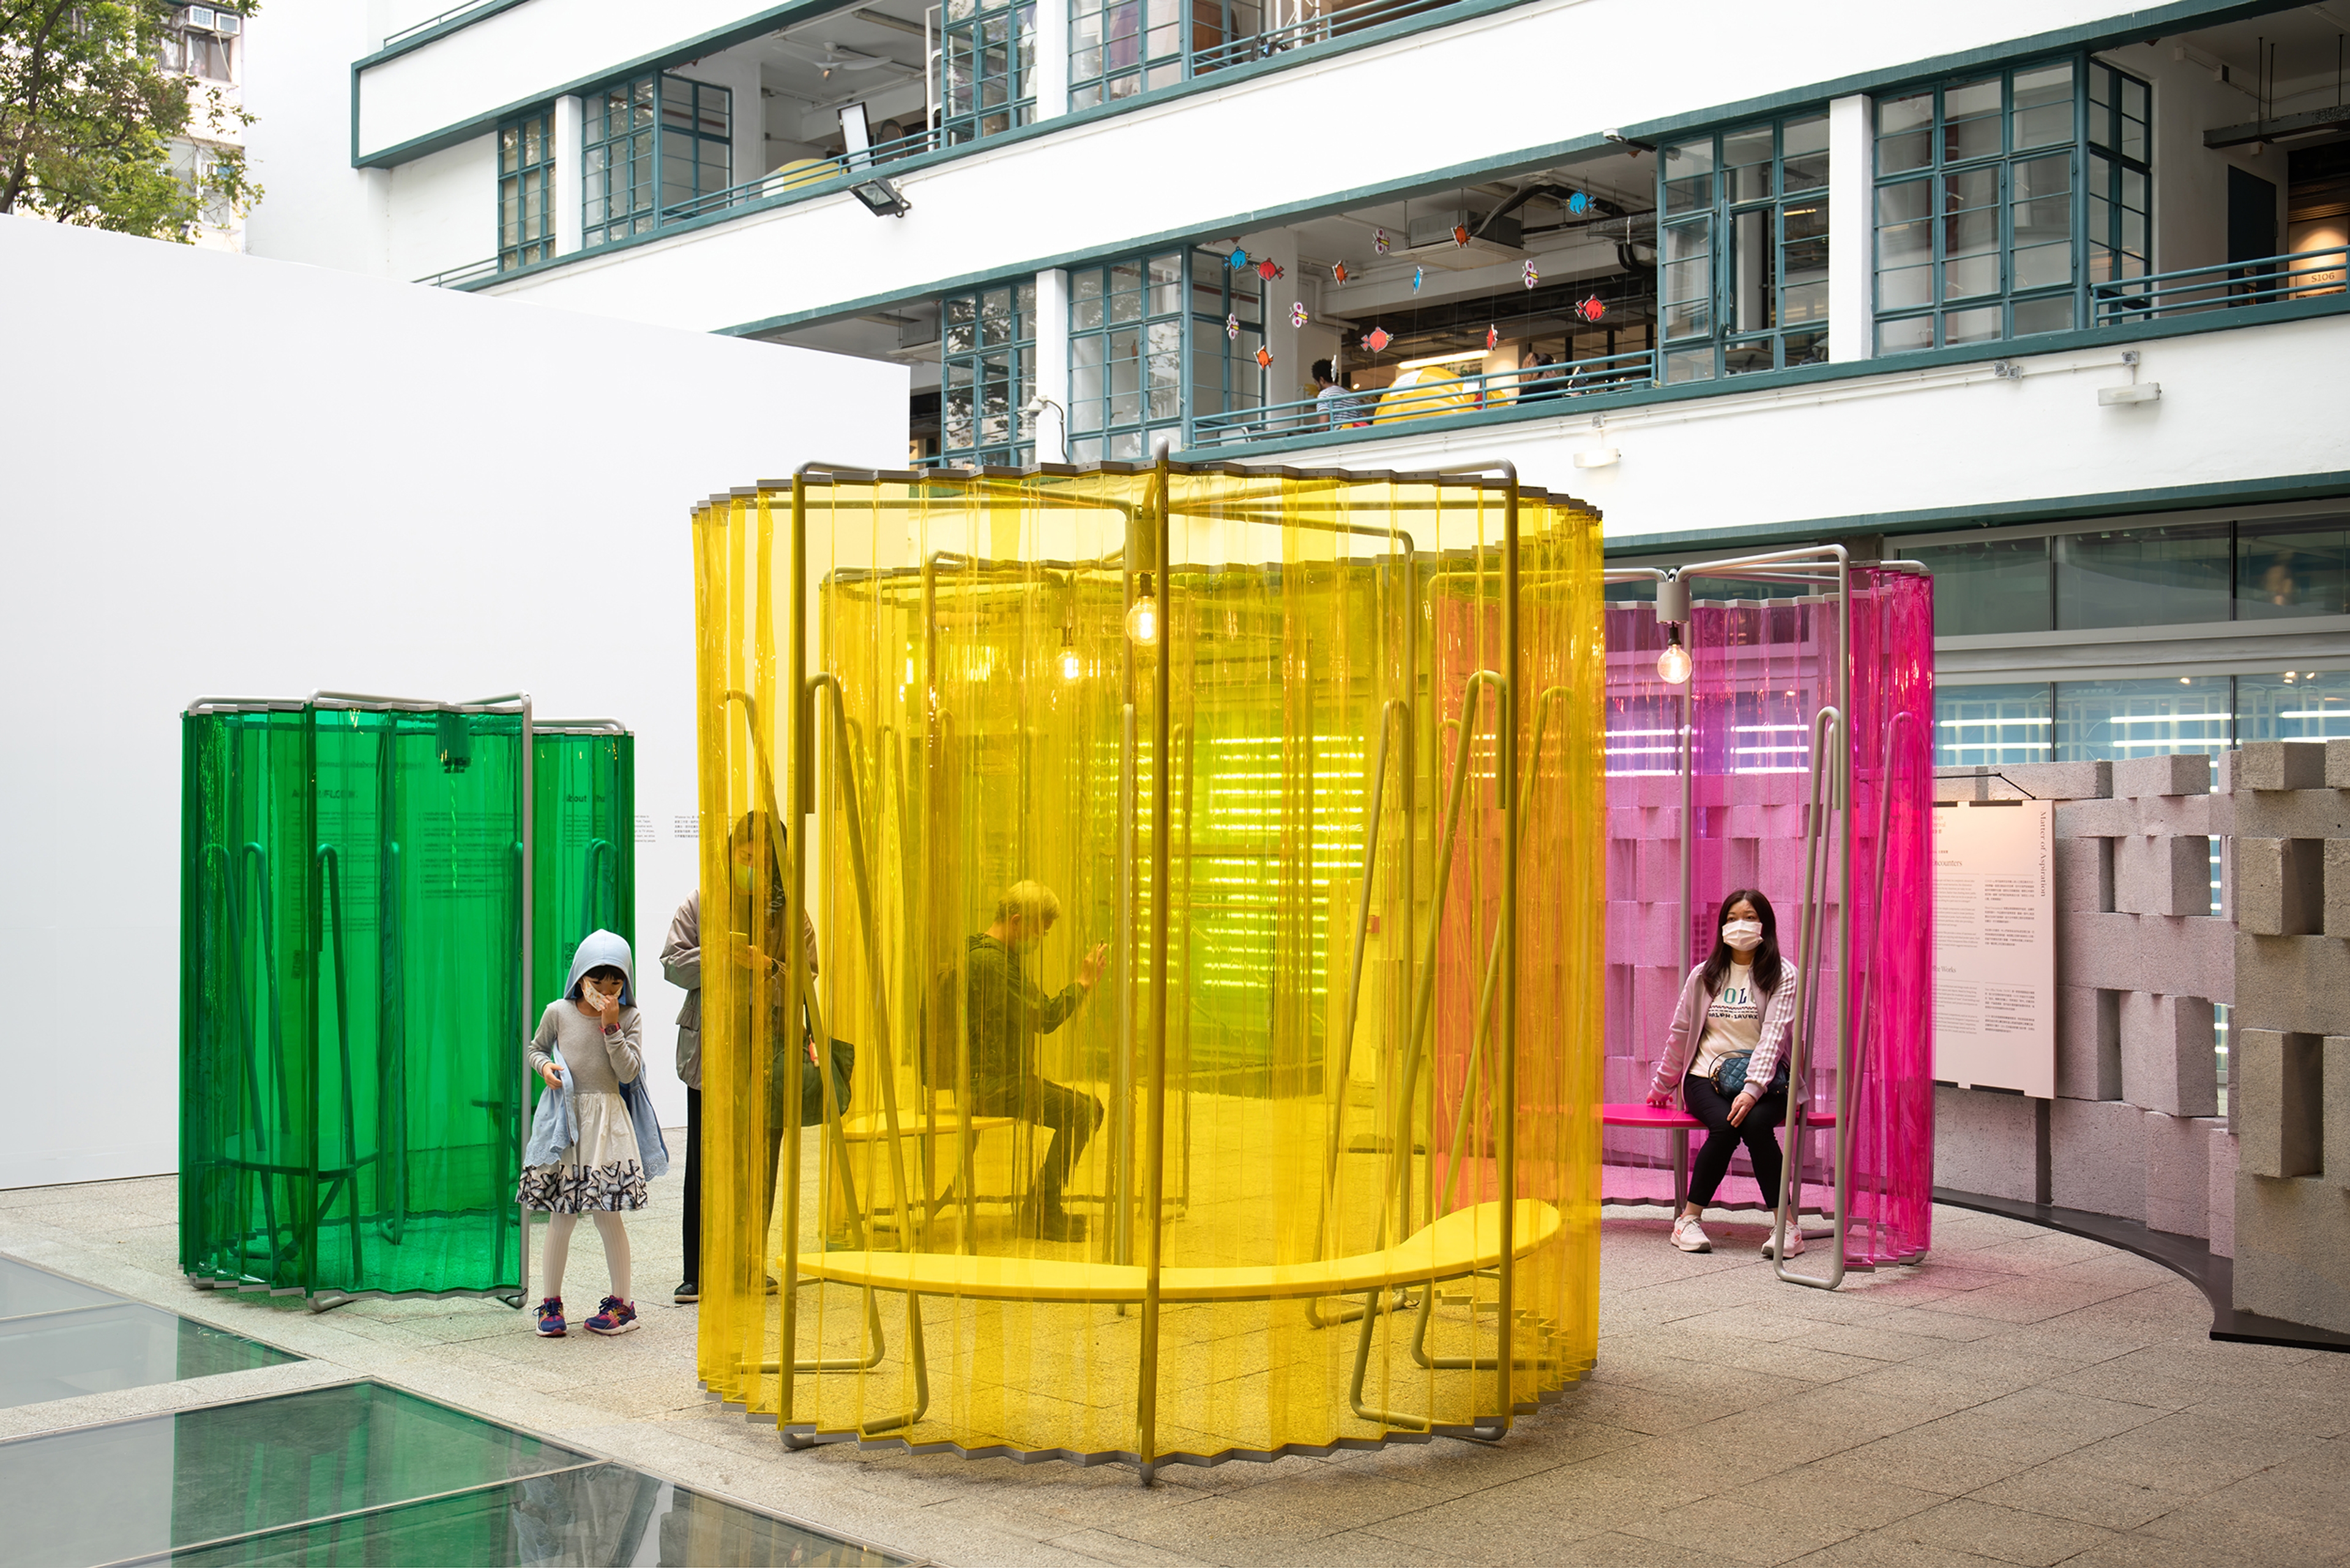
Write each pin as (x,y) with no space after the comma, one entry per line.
(836,59)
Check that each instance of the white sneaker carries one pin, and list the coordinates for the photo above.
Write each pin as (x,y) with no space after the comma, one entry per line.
(1795,1243)
(1689,1236)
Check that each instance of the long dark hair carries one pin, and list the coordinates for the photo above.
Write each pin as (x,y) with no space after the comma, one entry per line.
(1765,959)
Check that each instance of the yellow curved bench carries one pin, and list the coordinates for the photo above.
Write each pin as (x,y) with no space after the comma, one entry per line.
(1460,1242)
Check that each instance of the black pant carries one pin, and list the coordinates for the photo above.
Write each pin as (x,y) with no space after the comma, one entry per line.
(1073,1117)
(693,1179)
(1758,1132)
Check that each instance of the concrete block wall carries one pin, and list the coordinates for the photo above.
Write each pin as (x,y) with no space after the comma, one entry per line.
(2142,959)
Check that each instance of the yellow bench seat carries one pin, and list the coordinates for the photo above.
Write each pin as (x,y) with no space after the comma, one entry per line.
(1460,1243)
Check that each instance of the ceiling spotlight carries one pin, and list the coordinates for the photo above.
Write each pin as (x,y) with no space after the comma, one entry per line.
(881,198)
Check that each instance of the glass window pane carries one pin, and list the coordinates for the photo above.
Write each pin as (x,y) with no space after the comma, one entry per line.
(1688,170)
(2285,569)
(1804,153)
(1987,726)
(1982,325)
(1905,134)
(2098,721)
(1971,121)
(1746,163)
(1996,586)
(1908,333)
(2293,705)
(2043,106)
(2053,313)
(2143,577)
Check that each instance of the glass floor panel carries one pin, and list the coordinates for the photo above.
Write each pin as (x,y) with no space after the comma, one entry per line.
(602,1514)
(359,1474)
(24,1290)
(60,1339)
(93,1350)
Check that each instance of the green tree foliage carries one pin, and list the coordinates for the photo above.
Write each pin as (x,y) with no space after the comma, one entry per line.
(89,112)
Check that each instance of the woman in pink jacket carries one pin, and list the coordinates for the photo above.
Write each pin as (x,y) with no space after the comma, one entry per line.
(1735,1011)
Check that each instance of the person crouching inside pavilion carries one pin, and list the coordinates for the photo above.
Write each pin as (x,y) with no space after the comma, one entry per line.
(1006,1011)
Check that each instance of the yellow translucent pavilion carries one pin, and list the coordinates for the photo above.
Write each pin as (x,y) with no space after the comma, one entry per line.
(1313,760)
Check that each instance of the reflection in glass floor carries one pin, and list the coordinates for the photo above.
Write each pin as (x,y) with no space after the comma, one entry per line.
(362,1474)
(60,1338)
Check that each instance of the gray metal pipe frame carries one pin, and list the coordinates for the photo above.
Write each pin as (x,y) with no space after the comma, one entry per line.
(1825,565)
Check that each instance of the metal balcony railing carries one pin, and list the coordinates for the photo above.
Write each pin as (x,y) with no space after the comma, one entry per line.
(458,276)
(1311,28)
(415,27)
(1428,400)
(2301,274)
(806,177)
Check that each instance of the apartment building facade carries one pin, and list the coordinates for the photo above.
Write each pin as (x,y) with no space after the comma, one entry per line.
(2050,295)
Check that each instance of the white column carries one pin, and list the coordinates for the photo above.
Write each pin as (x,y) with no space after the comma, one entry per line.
(1285,380)
(1852,225)
(568,187)
(1052,59)
(1052,366)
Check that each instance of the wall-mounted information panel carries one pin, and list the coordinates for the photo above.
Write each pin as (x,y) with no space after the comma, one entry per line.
(1995,946)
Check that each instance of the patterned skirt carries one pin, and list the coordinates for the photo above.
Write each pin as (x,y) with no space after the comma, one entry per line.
(601,1171)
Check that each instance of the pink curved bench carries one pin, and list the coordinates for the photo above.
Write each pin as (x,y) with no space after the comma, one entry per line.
(1681,1124)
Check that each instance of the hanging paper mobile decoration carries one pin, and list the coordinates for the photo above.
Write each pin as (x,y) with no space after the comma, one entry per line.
(1238,261)
(1578,202)
(1416,276)
(1265,358)
(1297,317)
(1376,339)
(1460,233)
(1532,276)
(1591,309)
(1232,327)
(1269,270)
(1338,271)
(1379,241)
(1493,336)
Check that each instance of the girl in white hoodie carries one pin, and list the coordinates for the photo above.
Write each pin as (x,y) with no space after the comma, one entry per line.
(594,1142)
(1735,1009)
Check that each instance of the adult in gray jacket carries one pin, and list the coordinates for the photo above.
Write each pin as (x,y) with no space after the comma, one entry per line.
(682,966)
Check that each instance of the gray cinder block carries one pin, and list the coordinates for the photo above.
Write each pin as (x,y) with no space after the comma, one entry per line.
(2096,1156)
(2222,1157)
(1986,1143)
(2177,1175)
(2337,765)
(2292,1250)
(2096,818)
(2281,885)
(2275,1097)
(2161,875)
(2088,1043)
(2334,1114)
(2084,874)
(2288,983)
(2280,765)
(2167,1063)
(2062,781)
(2097,949)
(2337,887)
(2179,773)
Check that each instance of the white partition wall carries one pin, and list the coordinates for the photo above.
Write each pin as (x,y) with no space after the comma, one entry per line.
(341,483)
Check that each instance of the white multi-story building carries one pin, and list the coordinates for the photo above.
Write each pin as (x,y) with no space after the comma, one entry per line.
(206,44)
(2049,294)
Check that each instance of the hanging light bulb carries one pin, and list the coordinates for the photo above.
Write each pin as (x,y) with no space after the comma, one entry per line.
(1070,666)
(1673,663)
(1142,621)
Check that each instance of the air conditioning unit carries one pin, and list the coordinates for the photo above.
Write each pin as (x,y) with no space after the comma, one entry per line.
(227,24)
(1430,240)
(202,17)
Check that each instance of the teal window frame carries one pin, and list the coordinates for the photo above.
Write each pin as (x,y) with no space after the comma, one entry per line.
(1124,48)
(1714,206)
(649,143)
(1979,228)
(526,189)
(987,373)
(1148,350)
(987,68)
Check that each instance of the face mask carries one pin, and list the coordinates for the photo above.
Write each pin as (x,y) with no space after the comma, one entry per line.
(744,877)
(1743,936)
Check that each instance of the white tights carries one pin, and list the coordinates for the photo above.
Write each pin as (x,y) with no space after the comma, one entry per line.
(616,1250)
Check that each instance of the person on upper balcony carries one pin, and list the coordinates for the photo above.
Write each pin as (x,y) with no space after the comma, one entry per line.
(1735,1011)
